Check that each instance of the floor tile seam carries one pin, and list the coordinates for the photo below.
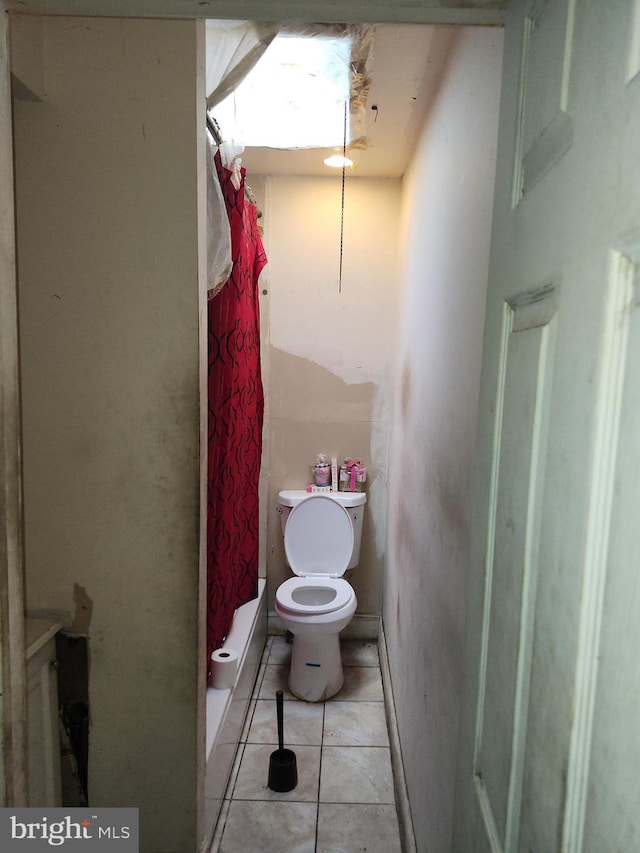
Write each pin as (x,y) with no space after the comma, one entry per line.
(288,742)
(372,705)
(235,771)
(341,700)
(271,800)
(356,746)
(262,670)
(246,728)
(350,803)
(266,651)
(353,745)
(318,745)
(218,833)
(315,845)
(324,713)
(357,803)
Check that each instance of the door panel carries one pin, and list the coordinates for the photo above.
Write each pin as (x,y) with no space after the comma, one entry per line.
(545,128)
(512,566)
(550,743)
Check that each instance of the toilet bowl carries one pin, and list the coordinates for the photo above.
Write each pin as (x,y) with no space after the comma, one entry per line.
(321,540)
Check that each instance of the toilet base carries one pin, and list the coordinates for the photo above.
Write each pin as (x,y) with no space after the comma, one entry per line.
(316,667)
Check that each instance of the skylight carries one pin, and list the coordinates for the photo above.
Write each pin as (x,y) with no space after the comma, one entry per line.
(294,97)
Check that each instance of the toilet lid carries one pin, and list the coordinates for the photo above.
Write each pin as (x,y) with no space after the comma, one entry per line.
(318,537)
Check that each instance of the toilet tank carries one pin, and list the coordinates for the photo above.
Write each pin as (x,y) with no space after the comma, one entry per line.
(353,502)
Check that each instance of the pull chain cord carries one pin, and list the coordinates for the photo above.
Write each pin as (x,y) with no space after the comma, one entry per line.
(344,167)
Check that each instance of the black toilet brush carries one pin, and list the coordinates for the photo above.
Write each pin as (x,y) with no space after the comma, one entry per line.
(283,772)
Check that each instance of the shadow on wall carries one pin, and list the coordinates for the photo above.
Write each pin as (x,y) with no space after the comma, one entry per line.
(310,410)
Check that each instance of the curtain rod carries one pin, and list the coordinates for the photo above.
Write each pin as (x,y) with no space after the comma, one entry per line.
(214,129)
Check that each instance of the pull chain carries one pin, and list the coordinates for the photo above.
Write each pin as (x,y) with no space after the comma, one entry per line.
(344,168)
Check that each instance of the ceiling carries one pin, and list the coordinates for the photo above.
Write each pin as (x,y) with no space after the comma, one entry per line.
(406,66)
(475,12)
(407,63)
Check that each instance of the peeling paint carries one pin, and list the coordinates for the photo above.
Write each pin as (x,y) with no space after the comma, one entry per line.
(313,410)
(302,389)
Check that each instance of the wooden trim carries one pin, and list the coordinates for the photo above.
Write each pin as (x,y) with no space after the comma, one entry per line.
(403,806)
(426,12)
(201,142)
(488,820)
(534,309)
(633,63)
(545,311)
(505,332)
(13,702)
(613,360)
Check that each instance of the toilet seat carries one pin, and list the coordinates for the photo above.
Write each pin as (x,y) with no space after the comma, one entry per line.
(292,594)
(319,538)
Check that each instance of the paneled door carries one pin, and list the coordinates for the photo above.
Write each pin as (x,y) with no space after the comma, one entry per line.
(550,746)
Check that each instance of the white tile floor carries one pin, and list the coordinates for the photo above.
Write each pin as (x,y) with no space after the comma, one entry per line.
(344,800)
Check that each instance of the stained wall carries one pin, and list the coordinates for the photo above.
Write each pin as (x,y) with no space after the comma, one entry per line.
(330,346)
(447,204)
(107,167)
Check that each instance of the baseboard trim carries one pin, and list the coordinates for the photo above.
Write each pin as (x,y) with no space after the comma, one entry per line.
(407,837)
(361,627)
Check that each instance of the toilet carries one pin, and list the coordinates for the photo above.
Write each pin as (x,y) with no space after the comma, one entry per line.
(322,534)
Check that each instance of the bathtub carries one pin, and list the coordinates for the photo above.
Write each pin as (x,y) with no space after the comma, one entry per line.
(226,709)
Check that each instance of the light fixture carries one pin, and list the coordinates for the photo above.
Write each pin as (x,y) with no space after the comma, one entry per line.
(338,161)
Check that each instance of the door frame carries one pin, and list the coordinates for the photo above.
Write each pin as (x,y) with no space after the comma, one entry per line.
(13,745)
(13,780)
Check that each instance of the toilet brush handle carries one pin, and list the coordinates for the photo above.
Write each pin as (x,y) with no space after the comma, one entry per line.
(280,710)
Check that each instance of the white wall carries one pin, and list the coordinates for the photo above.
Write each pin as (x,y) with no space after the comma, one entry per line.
(330,353)
(447,220)
(107,202)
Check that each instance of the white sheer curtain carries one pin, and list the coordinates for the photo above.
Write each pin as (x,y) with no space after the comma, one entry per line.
(232,49)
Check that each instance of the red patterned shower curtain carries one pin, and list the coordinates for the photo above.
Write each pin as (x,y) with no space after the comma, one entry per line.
(236,406)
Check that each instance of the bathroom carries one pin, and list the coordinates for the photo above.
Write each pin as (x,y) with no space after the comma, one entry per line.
(391,376)
(112,466)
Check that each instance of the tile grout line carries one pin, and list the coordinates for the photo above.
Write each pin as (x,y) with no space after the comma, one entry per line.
(236,769)
(324,711)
